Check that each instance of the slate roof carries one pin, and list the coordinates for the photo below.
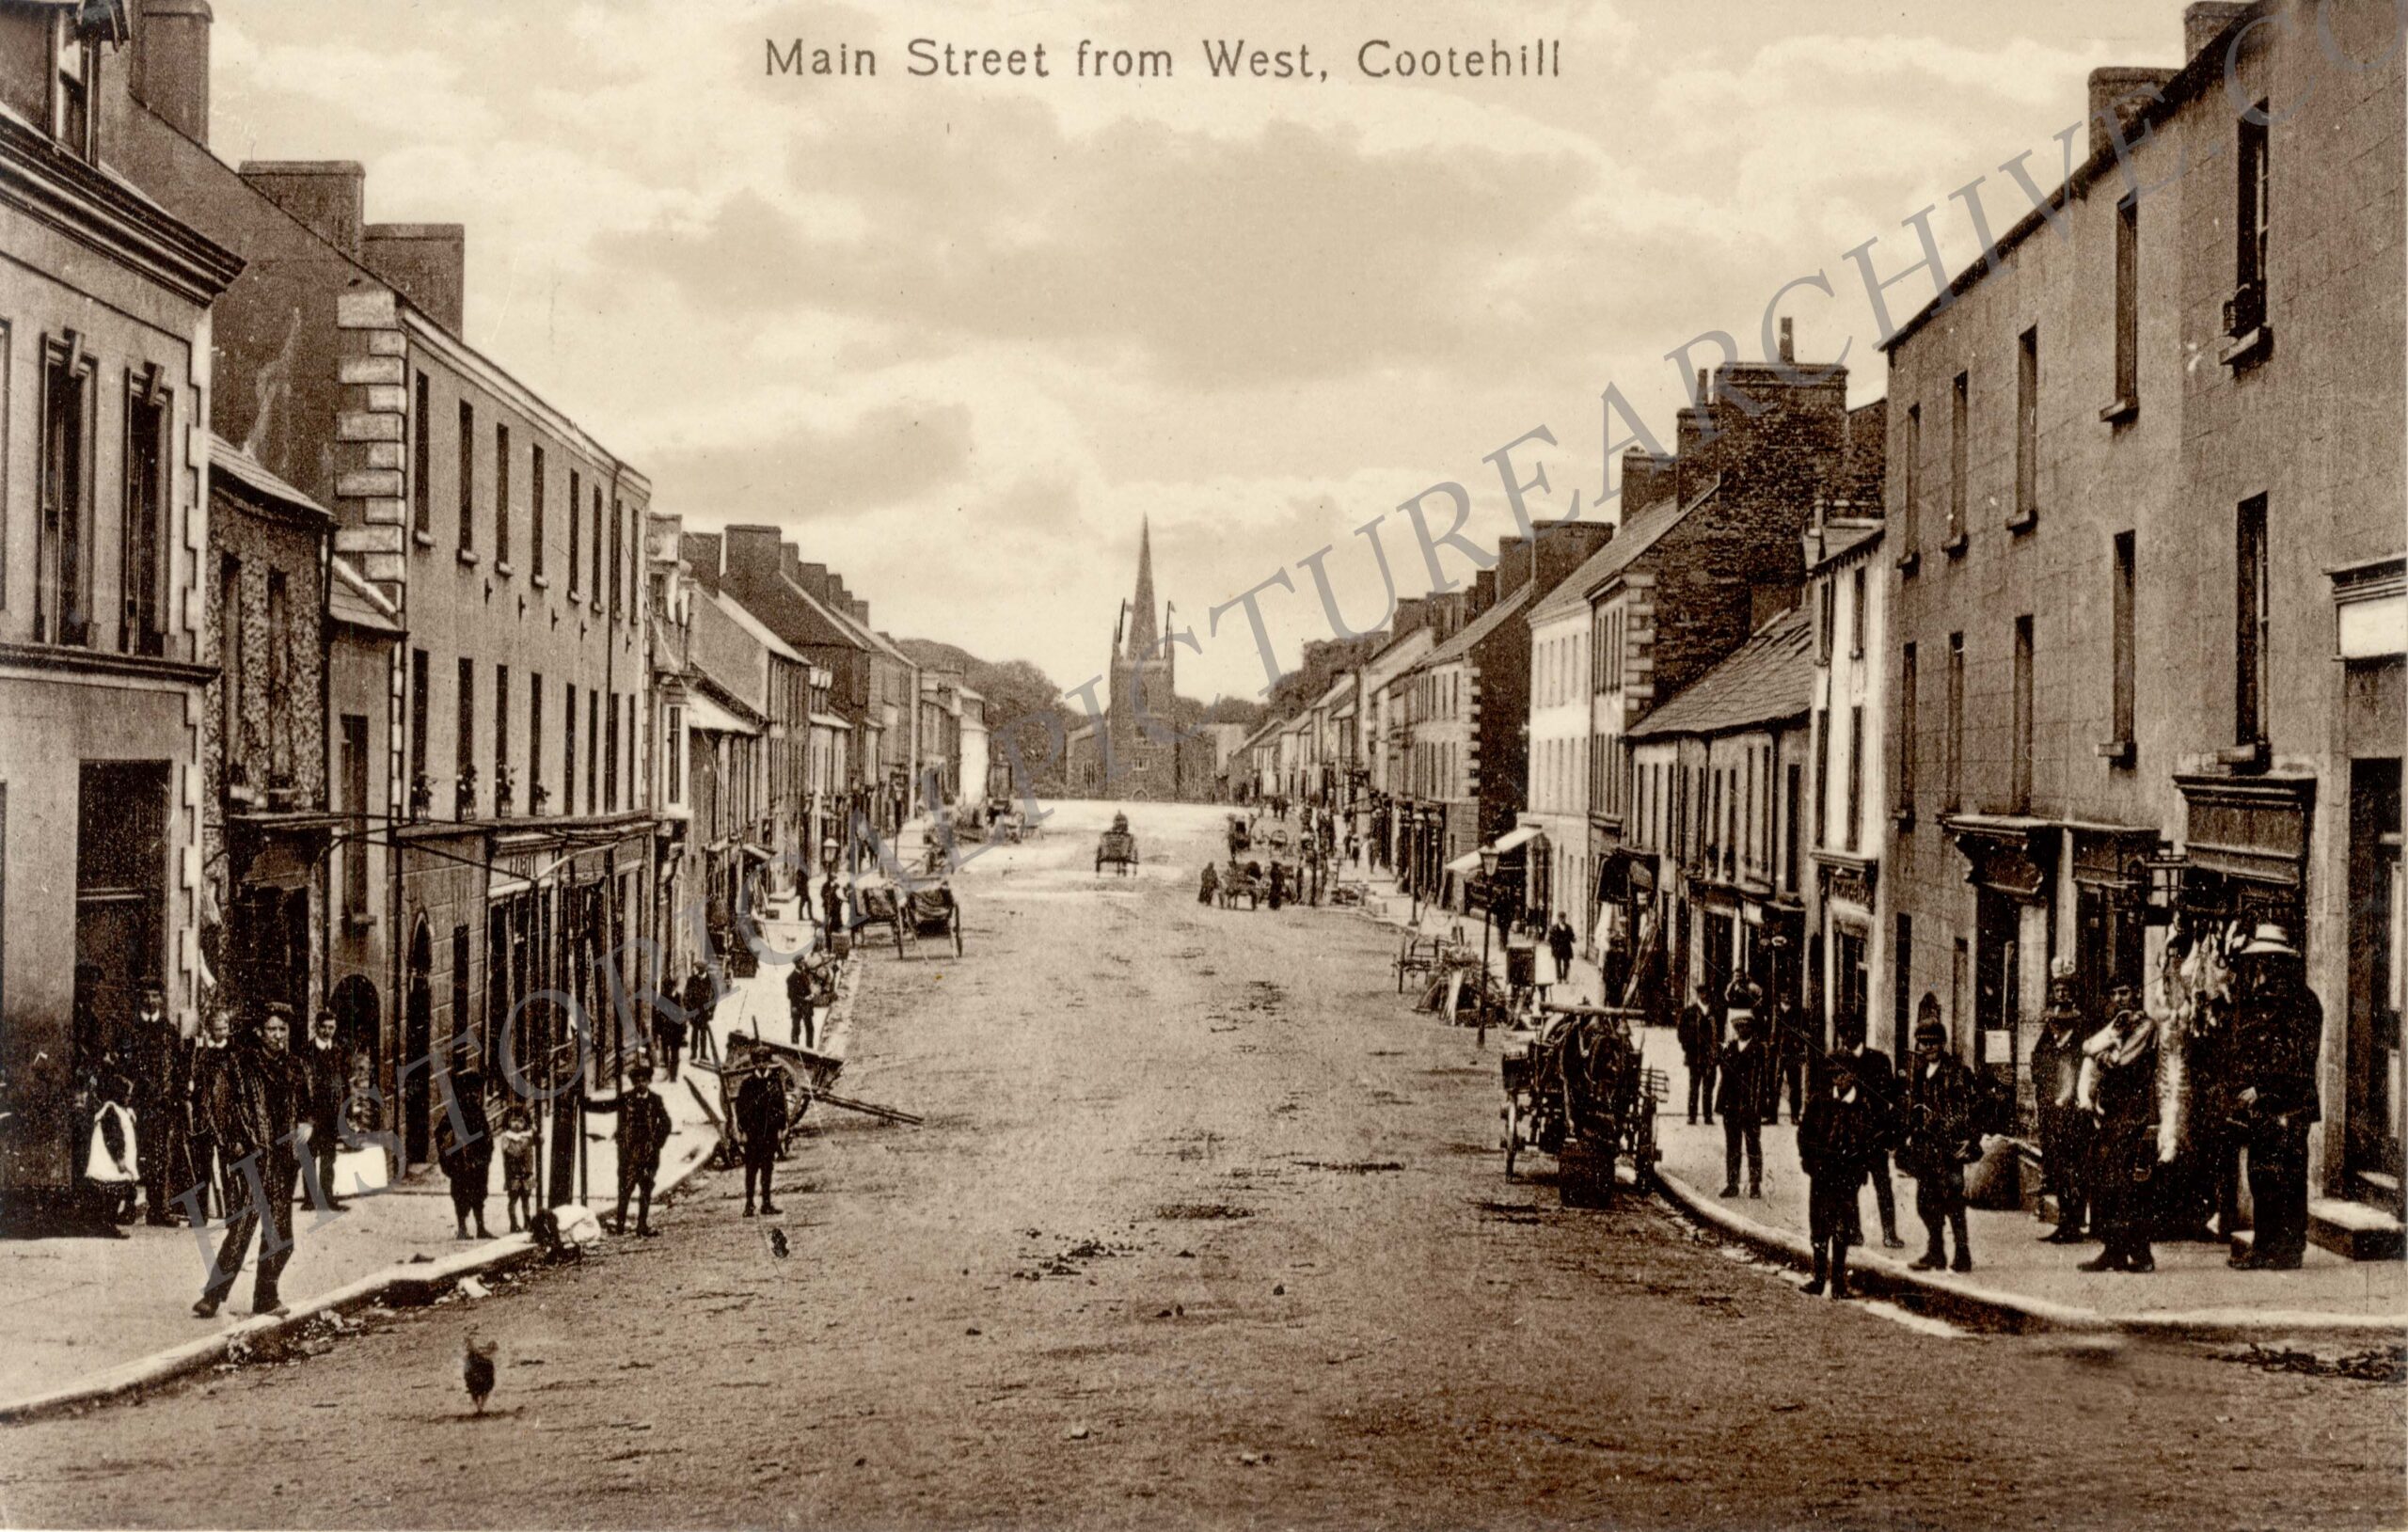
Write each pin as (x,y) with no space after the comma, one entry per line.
(231,461)
(352,600)
(1769,678)
(754,626)
(1641,531)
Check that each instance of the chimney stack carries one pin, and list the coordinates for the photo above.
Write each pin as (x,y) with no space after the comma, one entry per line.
(751,554)
(426,264)
(789,561)
(701,553)
(1513,566)
(2124,92)
(324,195)
(1644,475)
(814,580)
(170,68)
(2205,19)
(1564,546)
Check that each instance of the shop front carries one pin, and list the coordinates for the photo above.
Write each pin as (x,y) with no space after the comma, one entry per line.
(2011,864)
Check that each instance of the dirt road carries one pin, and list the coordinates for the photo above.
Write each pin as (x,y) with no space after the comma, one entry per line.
(1205,1228)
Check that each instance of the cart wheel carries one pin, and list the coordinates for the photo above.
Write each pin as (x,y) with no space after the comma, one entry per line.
(1512,1134)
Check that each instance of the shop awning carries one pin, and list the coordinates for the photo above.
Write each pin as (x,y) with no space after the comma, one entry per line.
(710,717)
(1464,865)
(1515,839)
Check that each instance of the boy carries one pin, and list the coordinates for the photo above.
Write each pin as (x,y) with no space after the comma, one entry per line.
(1836,1145)
(761,1117)
(1940,1140)
(518,1168)
(643,1131)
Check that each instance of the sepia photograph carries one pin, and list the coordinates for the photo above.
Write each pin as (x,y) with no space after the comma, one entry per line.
(958,765)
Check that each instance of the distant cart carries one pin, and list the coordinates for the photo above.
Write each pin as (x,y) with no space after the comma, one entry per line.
(912,915)
(1119,849)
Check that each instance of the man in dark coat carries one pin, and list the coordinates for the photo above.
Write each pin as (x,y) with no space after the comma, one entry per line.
(799,1001)
(761,1114)
(1836,1142)
(211,1056)
(644,1132)
(155,1055)
(1876,1084)
(1558,946)
(1938,1101)
(249,1107)
(1743,1083)
(2065,1150)
(2278,1026)
(701,999)
(326,1071)
(2119,1091)
(1700,1033)
(832,910)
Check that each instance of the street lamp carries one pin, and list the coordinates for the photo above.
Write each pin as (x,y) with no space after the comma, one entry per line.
(1487,920)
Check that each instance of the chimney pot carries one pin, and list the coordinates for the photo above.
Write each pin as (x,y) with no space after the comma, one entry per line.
(2204,21)
(2125,93)
(1788,342)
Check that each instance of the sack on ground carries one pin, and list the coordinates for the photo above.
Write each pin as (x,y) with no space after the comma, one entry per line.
(360,1172)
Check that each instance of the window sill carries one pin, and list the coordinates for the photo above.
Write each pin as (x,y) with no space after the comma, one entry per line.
(424,540)
(355,921)
(1954,547)
(540,582)
(2250,757)
(2116,752)
(469,556)
(1904,818)
(2248,349)
(2125,410)
(505,571)
(1910,562)
(2023,521)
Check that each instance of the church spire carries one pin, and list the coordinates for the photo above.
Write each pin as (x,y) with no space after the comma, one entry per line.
(1144,632)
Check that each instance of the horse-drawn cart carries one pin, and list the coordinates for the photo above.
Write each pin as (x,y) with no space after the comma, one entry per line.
(1119,849)
(912,914)
(1575,1089)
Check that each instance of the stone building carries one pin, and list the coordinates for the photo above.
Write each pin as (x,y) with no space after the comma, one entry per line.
(2144,542)
(507,540)
(107,388)
(1707,553)
(1718,806)
(1846,936)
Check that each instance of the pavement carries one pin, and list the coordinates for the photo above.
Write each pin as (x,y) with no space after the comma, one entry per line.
(2017,1280)
(1204,1229)
(89,1319)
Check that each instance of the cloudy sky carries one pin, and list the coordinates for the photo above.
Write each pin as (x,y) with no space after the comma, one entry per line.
(959,336)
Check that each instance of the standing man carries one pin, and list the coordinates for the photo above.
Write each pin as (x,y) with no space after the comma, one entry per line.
(250,1112)
(1835,1148)
(832,910)
(1558,945)
(156,1051)
(2066,1149)
(1940,1139)
(1700,1033)
(1877,1082)
(2278,1026)
(760,1116)
(799,1004)
(326,1074)
(1743,1088)
(642,1133)
(212,1059)
(701,999)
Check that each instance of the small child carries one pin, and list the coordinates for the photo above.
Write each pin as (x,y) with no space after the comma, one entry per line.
(518,1167)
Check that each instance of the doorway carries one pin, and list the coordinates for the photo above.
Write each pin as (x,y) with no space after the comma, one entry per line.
(120,890)
(2376,1098)
(1997,1001)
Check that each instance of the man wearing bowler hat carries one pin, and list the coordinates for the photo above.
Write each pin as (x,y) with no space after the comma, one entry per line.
(2278,1026)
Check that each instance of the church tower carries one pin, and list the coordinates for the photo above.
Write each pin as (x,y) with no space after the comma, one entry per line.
(1144,755)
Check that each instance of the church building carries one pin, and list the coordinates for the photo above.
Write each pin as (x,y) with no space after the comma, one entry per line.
(1136,750)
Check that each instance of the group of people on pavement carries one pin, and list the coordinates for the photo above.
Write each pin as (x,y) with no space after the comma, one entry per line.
(2132,1139)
